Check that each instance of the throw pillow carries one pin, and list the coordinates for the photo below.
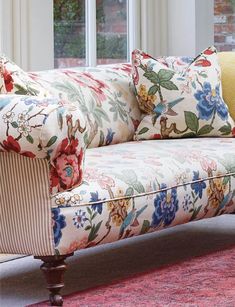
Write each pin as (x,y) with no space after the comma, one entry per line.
(227,64)
(104,94)
(180,104)
(13,80)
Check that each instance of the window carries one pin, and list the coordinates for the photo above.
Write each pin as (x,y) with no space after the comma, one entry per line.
(88,31)
(224,25)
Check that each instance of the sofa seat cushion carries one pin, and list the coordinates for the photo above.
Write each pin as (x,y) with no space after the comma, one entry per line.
(138,187)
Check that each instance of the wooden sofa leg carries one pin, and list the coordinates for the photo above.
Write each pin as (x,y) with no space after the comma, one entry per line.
(54,268)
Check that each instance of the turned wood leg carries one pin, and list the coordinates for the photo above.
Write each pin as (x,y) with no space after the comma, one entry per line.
(54,268)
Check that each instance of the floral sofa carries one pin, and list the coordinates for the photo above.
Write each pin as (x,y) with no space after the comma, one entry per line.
(72,177)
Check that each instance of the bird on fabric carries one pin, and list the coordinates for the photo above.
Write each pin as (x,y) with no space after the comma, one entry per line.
(4,102)
(131,219)
(226,201)
(166,107)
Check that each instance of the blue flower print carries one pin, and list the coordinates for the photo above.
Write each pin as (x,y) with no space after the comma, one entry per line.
(166,206)
(187,202)
(186,59)
(59,223)
(210,102)
(79,219)
(109,136)
(199,186)
(94,198)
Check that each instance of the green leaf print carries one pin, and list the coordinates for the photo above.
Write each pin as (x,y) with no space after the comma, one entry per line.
(101,141)
(145,227)
(153,90)
(94,230)
(169,85)
(52,140)
(143,130)
(14,124)
(205,129)
(152,76)
(189,135)
(129,177)
(129,191)
(67,87)
(165,75)
(226,129)
(191,121)
(29,139)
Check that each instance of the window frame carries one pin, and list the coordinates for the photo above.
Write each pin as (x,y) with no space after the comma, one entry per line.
(23,36)
(22,39)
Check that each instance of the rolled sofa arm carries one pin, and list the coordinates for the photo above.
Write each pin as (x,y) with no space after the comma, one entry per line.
(45,128)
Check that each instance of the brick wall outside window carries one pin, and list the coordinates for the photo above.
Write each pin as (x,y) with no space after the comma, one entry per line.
(224,25)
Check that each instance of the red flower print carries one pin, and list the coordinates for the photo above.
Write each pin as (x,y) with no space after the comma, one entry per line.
(135,75)
(136,123)
(12,145)
(145,55)
(203,63)
(126,68)
(8,80)
(208,51)
(233,132)
(66,169)
(156,136)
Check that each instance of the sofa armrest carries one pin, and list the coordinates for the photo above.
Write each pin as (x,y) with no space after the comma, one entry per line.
(45,128)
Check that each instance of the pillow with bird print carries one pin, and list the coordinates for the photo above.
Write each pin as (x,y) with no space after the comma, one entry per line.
(177,104)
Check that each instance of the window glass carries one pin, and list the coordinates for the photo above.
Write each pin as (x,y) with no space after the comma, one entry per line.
(69,33)
(224,25)
(111,24)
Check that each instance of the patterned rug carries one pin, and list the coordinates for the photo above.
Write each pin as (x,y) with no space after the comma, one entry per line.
(200,282)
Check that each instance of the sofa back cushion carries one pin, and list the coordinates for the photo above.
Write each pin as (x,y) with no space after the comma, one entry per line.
(13,80)
(105,95)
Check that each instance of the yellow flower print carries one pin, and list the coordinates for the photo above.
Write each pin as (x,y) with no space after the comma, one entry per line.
(215,192)
(118,208)
(61,201)
(110,205)
(146,101)
(117,220)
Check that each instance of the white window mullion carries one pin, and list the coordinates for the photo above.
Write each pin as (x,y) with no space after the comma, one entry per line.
(133,26)
(91,52)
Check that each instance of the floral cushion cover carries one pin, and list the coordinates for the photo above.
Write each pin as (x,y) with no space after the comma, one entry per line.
(105,95)
(180,100)
(46,128)
(13,80)
(138,187)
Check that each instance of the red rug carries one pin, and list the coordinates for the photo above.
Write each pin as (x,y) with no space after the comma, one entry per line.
(206,281)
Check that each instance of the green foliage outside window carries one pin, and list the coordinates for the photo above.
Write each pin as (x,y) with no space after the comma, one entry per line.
(69,31)
(233,4)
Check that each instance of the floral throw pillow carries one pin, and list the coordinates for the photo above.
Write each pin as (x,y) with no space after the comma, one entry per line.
(13,80)
(180,104)
(104,94)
